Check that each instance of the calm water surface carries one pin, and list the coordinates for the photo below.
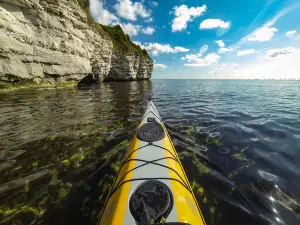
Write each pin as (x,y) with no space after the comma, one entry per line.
(239,142)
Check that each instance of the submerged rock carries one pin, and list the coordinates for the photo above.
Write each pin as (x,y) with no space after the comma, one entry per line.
(88,80)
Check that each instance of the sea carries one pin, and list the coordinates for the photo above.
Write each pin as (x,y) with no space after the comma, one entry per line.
(238,141)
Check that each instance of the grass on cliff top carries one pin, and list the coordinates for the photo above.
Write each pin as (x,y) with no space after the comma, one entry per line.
(121,41)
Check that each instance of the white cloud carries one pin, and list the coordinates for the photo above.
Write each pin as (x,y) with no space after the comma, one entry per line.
(149,20)
(225,71)
(100,14)
(246,52)
(137,43)
(203,49)
(134,30)
(262,34)
(214,23)
(194,57)
(195,60)
(224,68)
(220,43)
(225,50)
(267,31)
(153,4)
(277,66)
(183,15)
(190,57)
(280,51)
(157,49)
(131,29)
(234,65)
(180,49)
(215,71)
(199,64)
(131,10)
(291,33)
(212,58)
(148,30)
(229,65)
(160,66)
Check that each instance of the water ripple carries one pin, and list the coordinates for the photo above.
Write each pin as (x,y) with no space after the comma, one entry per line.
(238,141)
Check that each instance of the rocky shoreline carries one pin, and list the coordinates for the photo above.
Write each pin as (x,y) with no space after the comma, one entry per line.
(54,41)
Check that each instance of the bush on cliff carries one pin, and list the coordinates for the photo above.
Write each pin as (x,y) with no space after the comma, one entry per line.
(120,39)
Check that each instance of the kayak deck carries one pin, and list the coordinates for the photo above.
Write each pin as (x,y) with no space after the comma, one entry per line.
(146,161)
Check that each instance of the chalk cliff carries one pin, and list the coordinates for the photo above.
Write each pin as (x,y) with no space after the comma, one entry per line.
(56,40)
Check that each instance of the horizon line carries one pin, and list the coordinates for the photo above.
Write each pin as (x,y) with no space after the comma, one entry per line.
(296,79)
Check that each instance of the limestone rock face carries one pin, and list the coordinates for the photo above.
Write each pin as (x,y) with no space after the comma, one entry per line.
(129,66)
(50,40)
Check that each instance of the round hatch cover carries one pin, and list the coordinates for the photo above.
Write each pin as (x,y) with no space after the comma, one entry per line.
(150,132)
(151,202)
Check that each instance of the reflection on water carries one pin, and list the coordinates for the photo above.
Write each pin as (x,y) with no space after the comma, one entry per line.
(60,149)
(238,141)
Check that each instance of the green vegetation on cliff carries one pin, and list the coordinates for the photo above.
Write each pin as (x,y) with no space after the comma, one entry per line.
(20,85)
(121,41)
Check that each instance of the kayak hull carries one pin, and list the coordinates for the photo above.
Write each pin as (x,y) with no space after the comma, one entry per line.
(146,161)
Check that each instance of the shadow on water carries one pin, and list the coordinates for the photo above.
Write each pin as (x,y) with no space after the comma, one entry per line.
(61,148)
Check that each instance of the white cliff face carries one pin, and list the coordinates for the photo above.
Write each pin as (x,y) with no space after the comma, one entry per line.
(129,66)
(50,40)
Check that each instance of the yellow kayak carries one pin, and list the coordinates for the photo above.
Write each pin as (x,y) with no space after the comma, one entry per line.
(151,186)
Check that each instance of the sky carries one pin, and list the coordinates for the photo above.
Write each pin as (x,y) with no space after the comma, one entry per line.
(211,39)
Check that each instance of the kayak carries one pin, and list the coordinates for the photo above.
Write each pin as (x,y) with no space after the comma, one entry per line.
(151,186)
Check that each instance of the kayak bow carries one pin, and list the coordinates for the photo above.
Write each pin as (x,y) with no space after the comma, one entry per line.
(151,186)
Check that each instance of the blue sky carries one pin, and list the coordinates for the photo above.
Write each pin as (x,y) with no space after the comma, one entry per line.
(203,39)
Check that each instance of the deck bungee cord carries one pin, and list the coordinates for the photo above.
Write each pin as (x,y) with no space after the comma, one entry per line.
(151,186)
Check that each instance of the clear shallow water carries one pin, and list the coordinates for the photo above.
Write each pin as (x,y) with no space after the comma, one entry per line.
(239,142)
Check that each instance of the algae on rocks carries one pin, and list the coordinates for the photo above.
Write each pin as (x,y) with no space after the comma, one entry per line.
(51,41)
